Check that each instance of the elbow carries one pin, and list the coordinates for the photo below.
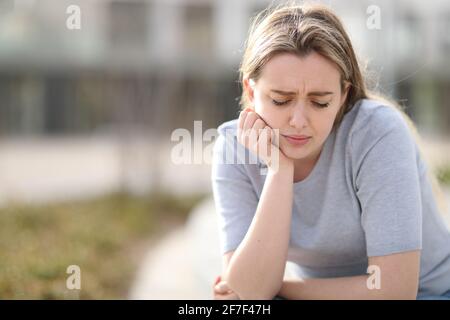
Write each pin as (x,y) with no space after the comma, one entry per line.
(251,289)
(257,296)
(258,293)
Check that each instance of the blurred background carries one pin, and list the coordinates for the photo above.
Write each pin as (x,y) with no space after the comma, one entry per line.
(86,117)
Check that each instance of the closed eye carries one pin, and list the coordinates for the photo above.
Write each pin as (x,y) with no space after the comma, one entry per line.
(280,103)
(317,104)
(321,105)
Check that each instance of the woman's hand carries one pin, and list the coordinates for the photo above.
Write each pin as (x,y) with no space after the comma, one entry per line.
(262,140)
(221,291)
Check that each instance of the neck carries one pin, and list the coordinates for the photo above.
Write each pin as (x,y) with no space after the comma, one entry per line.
(303,167)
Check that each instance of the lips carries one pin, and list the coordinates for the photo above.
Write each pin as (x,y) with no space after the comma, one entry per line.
(297,137)
(297,140)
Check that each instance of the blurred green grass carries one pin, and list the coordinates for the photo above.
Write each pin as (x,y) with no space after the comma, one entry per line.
(443,175)
(105,237)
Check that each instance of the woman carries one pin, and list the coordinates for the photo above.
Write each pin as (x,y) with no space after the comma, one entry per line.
(346,194)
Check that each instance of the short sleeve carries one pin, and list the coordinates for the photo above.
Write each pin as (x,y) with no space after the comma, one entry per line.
(234,197)
(388,188)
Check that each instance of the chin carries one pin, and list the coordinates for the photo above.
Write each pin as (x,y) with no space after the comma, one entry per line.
(294,154)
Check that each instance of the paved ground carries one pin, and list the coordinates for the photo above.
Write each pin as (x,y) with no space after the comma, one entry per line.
(185,263)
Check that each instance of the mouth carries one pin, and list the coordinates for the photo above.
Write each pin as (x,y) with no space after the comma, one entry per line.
(297,137)
(297,140)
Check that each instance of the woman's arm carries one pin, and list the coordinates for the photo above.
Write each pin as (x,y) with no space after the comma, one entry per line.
(399,278)
(221,291)
(257,266)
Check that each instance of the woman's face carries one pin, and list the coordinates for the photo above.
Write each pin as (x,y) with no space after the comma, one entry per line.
(300,96)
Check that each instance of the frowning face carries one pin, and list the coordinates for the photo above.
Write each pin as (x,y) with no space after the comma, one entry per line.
(301,97)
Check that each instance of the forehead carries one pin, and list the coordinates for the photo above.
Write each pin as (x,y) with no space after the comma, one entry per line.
(288,71)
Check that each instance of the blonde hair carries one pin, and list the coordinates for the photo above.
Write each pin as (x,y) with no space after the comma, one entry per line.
(306,28)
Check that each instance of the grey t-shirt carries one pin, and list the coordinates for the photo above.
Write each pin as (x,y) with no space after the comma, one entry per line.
(368,195)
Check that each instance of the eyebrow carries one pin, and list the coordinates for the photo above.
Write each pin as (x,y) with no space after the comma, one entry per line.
(312,93)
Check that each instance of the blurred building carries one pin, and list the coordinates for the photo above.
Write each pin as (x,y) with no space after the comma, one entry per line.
(158,65)
(91,111)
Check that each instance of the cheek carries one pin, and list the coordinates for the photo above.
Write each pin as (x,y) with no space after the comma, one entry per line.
(268,112)
(323,123)
(273,117)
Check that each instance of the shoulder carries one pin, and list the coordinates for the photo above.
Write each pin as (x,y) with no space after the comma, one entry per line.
(374,121)
(229,127)
(379,137)
(227,132)
(373,115)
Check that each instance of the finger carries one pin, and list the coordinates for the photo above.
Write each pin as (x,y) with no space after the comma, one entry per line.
(264,143)
(248,136)
(250,120)
(218,279)
(261,118)
(240,132)
(269,134)
(222,288)
(264,135)
(258,127)
(259,124)
(241,120)
(275,137)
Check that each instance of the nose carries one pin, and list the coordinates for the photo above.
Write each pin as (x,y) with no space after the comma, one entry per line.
(298,118)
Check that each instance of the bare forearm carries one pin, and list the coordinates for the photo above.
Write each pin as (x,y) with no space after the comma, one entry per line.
(257,267)
(344,288)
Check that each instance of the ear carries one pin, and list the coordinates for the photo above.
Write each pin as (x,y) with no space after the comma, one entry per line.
(249,89)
